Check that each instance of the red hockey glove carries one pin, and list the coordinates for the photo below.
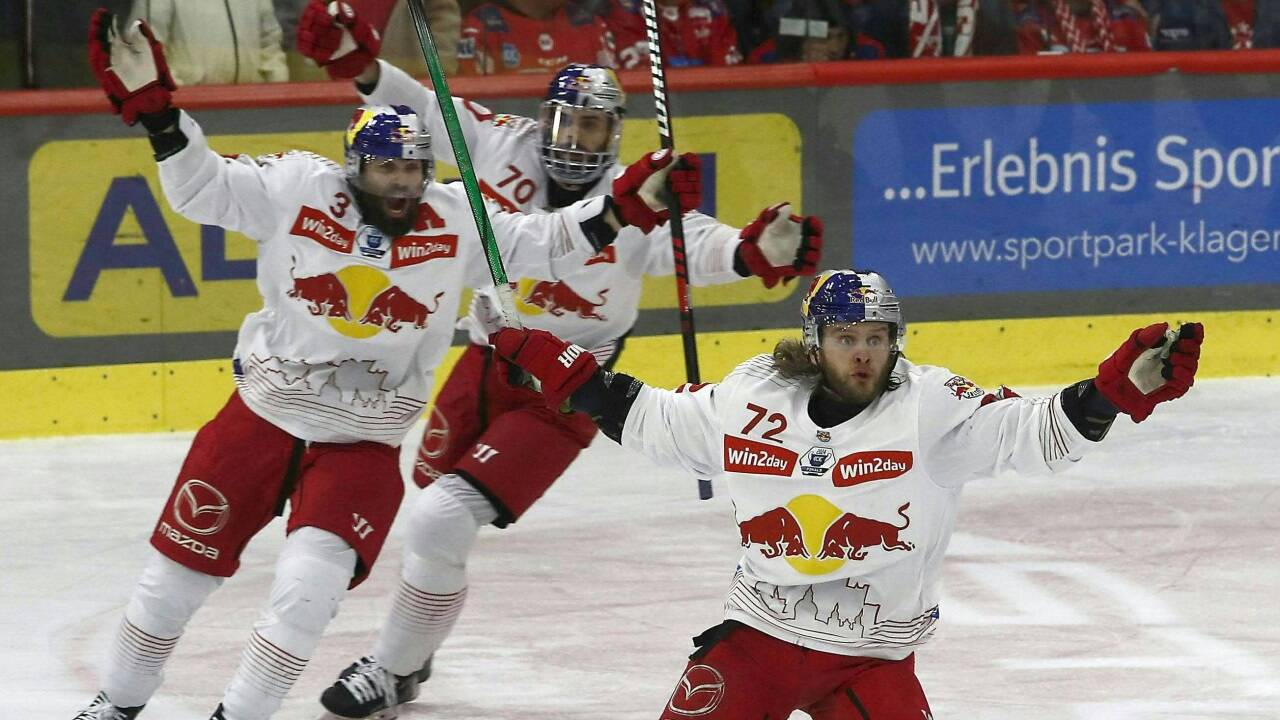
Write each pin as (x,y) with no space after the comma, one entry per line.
(1153,366)
(1000,393)
(640,192)
(560,366)
(130,67)
(337,39)
(779,246)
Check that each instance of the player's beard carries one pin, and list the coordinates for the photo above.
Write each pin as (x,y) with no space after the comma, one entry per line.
(373,211)
(857,393)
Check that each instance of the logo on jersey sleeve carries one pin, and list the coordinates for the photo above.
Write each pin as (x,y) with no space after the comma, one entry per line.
(743,455)
(963,388)
(861,467)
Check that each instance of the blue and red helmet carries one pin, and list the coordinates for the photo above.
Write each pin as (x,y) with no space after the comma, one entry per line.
(576,94)
(386,132)
(849,297)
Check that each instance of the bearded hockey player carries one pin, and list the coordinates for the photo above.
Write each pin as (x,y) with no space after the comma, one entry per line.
(361,268)
(845,462)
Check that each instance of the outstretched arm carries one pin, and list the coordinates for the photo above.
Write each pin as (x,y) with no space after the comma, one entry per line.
(1038,435)
(669,427)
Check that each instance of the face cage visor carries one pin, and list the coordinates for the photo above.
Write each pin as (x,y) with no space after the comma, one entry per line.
(578,143)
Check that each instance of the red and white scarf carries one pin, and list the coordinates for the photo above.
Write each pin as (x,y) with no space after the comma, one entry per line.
(925,33)
(1076,41)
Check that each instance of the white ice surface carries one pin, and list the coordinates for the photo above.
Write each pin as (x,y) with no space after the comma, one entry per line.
(1142,584)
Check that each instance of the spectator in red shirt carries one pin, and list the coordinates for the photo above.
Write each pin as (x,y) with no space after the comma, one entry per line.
(693,32)
(532,36)
(1063,26)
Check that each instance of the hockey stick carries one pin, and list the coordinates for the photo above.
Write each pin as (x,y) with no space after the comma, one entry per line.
(506,298)
(662,110)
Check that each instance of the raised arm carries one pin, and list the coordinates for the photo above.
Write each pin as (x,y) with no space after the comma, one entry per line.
(1043,435)
(201,185)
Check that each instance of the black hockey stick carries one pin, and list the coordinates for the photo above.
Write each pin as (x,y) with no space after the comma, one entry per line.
(662,110)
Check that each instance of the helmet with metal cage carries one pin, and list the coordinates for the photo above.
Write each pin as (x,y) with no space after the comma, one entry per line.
(386,132)
(581,99)
(847,297)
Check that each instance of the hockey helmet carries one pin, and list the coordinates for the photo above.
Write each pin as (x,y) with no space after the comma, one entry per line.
(851,296)
(383,132)
(581,97)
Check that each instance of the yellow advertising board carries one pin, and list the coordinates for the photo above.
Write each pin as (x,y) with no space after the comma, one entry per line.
(110,258)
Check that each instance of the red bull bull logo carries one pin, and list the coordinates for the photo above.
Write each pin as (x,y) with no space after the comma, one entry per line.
(816,538)
(359,301)
(557,298)
(850,536)
(325,295)
(963,388)
(777,532)
(861,467)
(394,307)
(744,455)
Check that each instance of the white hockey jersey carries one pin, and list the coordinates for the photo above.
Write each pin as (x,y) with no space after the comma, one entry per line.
(844,528)
(353,324)
(598,304)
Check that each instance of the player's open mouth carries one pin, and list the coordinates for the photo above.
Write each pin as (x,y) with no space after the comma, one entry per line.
(397,207)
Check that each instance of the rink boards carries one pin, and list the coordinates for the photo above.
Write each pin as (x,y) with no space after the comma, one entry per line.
(1017,213)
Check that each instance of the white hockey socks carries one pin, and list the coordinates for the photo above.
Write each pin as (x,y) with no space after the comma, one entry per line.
(312,575)
(166,597)
(443,523)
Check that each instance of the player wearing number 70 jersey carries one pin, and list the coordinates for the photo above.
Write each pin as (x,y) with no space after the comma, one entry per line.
(474,460)
(361,268)
(845,463)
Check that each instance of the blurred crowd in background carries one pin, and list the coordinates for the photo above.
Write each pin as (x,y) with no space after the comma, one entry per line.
(250,41)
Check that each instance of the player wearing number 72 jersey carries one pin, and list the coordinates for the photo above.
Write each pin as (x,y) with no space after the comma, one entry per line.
(845,463)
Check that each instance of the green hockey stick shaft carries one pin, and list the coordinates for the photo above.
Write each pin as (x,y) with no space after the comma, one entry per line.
(506,298)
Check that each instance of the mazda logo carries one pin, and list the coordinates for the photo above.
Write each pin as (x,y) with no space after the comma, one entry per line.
(201,508)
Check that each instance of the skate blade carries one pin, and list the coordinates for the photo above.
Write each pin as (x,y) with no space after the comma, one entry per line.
(388,714)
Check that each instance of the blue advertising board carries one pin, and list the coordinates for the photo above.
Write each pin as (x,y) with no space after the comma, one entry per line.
(1069,197)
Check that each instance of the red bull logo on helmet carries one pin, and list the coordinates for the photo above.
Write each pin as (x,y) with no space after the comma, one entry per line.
(743,455)
(861,467)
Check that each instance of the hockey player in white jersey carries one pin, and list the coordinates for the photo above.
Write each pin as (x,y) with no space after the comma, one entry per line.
(474,456)
(361,268)
(845,463)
